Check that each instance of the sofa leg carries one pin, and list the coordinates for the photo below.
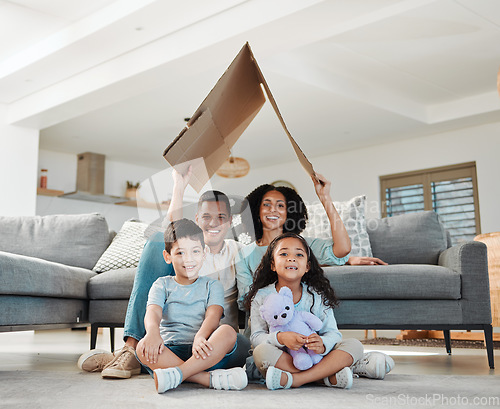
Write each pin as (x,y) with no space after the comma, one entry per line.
(112,338)
(447,340)
(488,337)
(93,335)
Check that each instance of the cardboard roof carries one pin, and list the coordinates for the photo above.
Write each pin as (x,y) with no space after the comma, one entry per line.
(221,119)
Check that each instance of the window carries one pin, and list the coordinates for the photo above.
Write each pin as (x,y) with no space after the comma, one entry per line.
(451,191)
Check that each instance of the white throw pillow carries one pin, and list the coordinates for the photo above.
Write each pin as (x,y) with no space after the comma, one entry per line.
(126,248)
(352,213)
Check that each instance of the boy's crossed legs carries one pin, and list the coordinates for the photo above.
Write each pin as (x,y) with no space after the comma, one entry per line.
(170,370)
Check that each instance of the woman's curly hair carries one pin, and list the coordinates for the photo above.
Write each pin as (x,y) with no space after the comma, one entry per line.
(296,211)
(314,278)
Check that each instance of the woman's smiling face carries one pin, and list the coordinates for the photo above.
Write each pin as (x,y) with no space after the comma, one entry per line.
(272,211)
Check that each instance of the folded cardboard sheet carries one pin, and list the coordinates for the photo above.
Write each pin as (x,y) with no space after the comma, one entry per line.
(206,141)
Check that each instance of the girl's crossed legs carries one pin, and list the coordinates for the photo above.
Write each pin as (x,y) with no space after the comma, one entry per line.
(344,354)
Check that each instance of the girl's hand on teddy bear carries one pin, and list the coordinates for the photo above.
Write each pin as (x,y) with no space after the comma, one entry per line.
(291,340)
(315,343)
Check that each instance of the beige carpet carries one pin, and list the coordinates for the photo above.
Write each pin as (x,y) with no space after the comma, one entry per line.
(51,389)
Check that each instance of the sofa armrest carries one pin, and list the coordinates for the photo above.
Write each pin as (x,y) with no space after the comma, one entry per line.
(470,260)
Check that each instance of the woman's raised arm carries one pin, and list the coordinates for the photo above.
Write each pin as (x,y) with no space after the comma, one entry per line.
(341,242)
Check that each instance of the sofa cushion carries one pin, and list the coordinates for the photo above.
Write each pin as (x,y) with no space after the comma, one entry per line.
(23,275)
(108,311)
(75,240)
(352,213)
(367,313)
(413,238)
(395,282)
(112,285)
(22,310)
(126,248)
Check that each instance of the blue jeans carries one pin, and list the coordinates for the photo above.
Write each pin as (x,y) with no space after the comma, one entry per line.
(151,267)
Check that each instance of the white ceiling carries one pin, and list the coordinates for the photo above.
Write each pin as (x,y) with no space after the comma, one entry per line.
(119,77)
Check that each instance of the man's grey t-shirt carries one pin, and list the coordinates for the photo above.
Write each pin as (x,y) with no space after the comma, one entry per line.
(184,306)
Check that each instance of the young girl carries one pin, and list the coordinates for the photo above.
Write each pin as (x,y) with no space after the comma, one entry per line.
(290,262)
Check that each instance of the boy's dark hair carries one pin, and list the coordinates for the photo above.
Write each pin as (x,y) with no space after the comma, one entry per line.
(314,278)
(296,211)
(215,196)
(179,229)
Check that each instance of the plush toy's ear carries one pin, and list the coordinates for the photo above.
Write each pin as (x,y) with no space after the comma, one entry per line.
(286,292)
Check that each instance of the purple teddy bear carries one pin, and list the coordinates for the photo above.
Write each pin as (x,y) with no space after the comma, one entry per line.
(279,312)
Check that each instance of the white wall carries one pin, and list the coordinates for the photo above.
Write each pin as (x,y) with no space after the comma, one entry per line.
(18,164)
(357,172)
(62,172)
(115,215)
(352,173)
(62,176)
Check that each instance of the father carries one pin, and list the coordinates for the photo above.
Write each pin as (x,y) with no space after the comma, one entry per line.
(214,218)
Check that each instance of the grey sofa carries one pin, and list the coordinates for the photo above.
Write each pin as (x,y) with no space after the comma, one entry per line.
(45,267)
(47,278)
(428,284)
(47,282)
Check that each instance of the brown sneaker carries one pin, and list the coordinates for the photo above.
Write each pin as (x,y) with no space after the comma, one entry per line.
(123,365)
(95,360)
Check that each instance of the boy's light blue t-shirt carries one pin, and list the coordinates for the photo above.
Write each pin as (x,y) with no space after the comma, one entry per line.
(184,306)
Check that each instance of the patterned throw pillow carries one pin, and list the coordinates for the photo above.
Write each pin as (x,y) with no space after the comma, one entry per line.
(126,248)
(352,213)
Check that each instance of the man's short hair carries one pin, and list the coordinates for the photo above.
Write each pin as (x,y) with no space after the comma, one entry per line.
(179,229)
(215,196)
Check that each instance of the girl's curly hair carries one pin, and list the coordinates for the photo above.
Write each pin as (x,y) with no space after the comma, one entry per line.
(296,210)
(315,278)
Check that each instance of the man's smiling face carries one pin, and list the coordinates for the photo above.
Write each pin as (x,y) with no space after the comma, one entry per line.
(214,219)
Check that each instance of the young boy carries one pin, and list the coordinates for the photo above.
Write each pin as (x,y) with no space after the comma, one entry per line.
(214,218)
(183,337)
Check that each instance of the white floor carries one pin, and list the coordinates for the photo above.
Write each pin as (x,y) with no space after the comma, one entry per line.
(59,351)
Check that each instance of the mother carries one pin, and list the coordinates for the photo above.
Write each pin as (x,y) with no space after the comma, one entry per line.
(276,210)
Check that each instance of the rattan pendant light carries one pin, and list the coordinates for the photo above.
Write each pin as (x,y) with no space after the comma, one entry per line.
(234,167)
